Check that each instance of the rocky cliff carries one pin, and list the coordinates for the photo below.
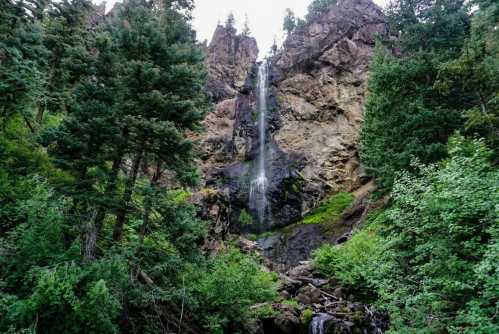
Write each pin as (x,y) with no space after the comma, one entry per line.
(315,109)
(229,57)
(320,84)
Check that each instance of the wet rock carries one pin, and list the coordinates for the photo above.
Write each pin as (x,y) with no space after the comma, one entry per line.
(284,294)
(287,322)
(302,270)
(339,293)
(309,295)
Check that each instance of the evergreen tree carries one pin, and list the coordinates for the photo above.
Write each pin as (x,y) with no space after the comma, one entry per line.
(246,28)
(473,78)
(290,21)
(406,115)
(66,38)
(318,7)
(22,59)
(230,23)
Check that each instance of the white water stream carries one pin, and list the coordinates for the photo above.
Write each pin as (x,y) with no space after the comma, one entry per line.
(258,184)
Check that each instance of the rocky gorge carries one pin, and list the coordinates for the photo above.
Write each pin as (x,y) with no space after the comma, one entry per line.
(317,89)
(295,140)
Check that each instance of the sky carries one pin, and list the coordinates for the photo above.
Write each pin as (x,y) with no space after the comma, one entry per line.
(265,17)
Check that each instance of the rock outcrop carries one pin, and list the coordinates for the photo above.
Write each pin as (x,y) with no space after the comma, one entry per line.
(229,58)
(310,303)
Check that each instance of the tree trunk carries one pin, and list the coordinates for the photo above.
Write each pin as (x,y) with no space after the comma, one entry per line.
(96,227)
(148,202)
(121,215)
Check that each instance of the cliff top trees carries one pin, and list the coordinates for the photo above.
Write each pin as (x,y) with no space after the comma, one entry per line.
(317,7)
(290,21)
(246,28)
(230,23)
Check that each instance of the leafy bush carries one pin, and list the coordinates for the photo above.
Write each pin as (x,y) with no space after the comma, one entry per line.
(71,299)
(351,262)
(231,283)
(434,271)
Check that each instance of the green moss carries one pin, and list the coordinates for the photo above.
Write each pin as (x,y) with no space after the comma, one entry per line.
(255,115)
(254,237)
(306,316)
(330,210)
(266,234)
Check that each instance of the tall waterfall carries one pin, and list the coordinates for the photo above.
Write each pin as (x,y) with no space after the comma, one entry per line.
(258,185)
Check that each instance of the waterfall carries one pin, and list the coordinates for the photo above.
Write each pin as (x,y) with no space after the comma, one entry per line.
(318,323)
(258,184)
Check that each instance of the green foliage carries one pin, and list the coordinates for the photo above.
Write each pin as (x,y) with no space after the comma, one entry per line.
(437,77)
(473,77)
(290,21)
(290,302)
(232,283)
(307,316)
(264,311)
(352,261)
(430,26)
(245,218)
(68,299)
(330,210)
(402,118)
(429,255)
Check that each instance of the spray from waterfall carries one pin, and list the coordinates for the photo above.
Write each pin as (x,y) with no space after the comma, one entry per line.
(258,185)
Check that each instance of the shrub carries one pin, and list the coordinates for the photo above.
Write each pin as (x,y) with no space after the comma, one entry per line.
(442,226)
(352,262)
(245,218)
(231,283)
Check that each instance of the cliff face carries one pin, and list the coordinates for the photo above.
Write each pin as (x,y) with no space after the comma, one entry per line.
(315,110)
(321,86)
(229,58)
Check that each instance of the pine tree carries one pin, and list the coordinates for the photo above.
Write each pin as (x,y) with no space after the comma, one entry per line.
(230,23)
(66,38)
(22,59)
(290,21)
(246,28)
(473,78)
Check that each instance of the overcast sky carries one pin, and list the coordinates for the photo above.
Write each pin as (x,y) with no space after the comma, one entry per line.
(265,17)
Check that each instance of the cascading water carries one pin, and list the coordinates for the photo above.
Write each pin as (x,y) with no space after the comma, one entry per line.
(318,323)
(258,185)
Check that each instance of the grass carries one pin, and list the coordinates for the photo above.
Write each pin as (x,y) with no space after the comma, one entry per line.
(330,210)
